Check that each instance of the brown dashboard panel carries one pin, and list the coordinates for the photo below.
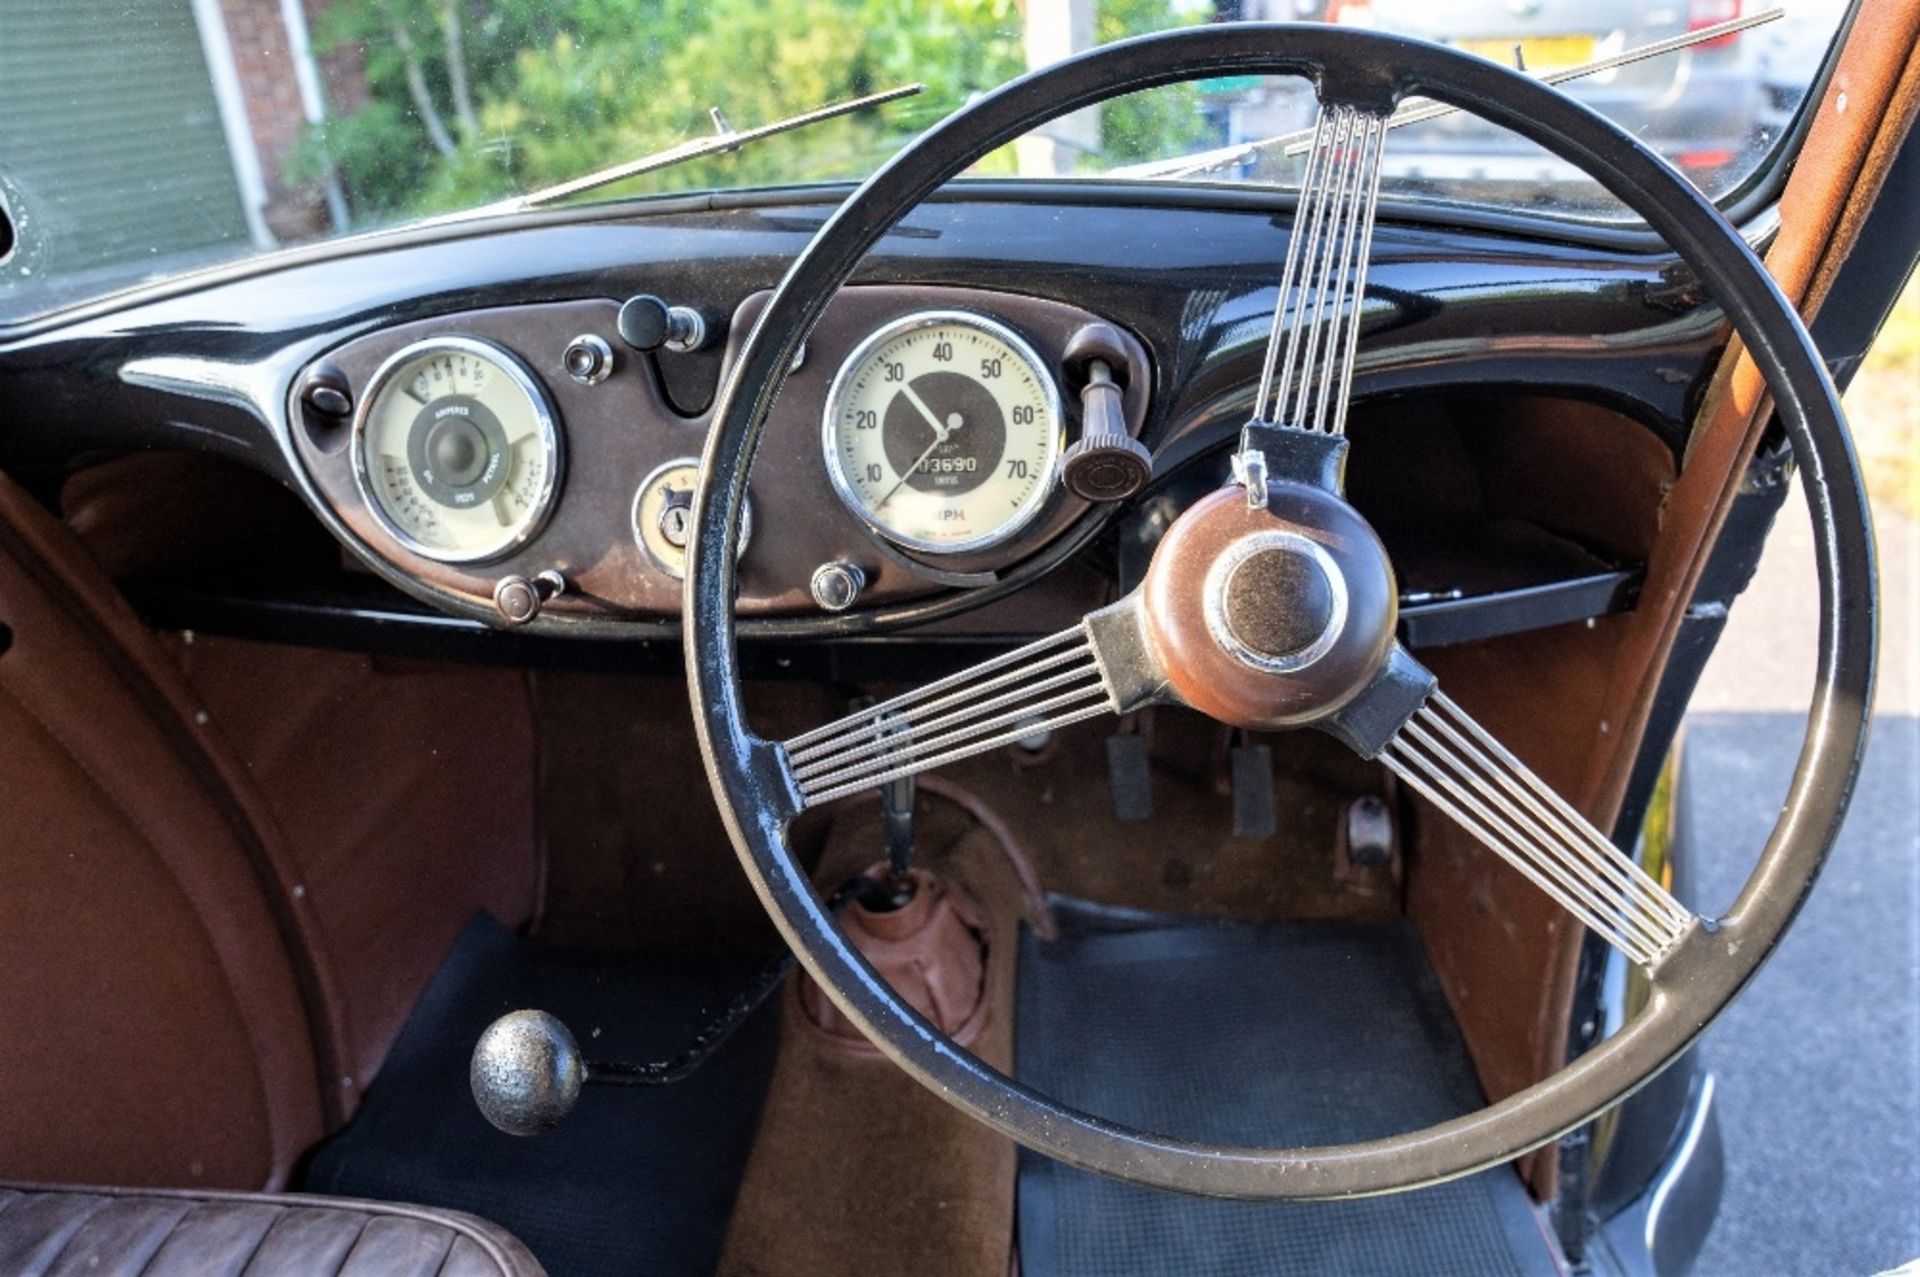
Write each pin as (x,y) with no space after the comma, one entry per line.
(621,430)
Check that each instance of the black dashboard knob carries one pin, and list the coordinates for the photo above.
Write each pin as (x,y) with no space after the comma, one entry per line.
(643,322)
(647,323)
(325,390)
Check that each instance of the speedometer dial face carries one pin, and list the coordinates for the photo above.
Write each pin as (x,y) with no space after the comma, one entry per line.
(456,451)
(942,432)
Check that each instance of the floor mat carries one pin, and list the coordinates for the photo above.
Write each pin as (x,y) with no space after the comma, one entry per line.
(638,1180)
(1277,1035)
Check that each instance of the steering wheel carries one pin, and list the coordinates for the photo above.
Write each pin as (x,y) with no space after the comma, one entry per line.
(1271,603)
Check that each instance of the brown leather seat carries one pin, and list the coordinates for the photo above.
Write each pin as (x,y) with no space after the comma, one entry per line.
(116,1232)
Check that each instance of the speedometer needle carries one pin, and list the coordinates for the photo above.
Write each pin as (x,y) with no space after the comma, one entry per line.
(920,406)
(940,435)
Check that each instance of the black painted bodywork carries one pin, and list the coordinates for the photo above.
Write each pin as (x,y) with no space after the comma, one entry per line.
(1191,273)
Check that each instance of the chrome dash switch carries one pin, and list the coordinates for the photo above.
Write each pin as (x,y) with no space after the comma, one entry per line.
(588,359)
(519,599)
(837,585)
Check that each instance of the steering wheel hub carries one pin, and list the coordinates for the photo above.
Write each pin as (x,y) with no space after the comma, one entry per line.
(1270,617)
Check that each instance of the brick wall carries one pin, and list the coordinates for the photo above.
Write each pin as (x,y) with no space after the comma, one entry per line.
(343,72)
(263,56)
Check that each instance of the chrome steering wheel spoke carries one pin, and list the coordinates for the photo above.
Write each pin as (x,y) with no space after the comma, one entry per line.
(1101,666)
(1459,766)
(1306,377)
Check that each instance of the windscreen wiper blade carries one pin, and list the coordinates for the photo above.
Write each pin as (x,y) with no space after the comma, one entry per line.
(1301,141)
(724,138)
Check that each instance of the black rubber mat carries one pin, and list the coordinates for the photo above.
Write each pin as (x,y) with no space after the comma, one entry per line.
(638,1180)
(1280,1035)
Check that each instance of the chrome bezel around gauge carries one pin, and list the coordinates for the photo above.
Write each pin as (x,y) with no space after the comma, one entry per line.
(544,418)
(1028,510)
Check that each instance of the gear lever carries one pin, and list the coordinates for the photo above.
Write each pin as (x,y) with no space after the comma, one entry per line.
(896,821)
(527,1071)
(896,817)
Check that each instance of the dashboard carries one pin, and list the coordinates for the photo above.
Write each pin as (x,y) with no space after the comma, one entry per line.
(489,431)
(915,445)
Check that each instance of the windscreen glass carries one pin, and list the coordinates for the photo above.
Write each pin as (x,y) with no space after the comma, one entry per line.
(235,127)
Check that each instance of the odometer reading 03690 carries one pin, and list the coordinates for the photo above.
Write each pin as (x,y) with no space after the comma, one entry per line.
(942,431)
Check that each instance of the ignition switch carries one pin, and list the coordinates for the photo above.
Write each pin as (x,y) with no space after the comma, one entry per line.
(663,516)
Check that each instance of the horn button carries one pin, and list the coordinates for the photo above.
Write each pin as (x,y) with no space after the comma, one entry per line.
(1275,600)
(1274,617)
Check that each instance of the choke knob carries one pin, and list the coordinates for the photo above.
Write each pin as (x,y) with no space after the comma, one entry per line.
(647,323)
(1105,463)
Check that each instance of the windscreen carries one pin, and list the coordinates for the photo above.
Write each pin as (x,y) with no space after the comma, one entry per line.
(236,127)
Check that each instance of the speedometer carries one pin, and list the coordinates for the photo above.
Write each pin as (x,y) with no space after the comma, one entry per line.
(942,432)
(455,450)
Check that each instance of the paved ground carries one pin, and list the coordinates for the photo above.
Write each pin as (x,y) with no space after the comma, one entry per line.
(1819,1062)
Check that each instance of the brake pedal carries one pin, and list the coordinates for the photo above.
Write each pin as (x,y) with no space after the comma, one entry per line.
(1251,770)
(1130,777)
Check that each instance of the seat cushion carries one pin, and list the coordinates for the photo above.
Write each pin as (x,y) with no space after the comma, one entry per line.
(113,1232)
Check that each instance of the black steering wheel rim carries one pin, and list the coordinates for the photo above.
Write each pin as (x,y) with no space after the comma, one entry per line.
(1695,982)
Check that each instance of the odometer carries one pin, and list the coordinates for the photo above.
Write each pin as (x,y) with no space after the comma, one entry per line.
(942,432)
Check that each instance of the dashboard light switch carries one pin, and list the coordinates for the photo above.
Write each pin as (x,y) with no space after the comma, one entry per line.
(519,599)
(836,586)
(588,359)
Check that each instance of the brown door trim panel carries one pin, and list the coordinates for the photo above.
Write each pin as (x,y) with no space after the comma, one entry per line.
(130,826)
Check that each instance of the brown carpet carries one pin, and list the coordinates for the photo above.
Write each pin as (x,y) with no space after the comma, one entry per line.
(857,1168)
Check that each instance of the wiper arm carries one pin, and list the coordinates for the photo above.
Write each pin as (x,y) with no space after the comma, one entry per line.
(1301,141)
(723,139)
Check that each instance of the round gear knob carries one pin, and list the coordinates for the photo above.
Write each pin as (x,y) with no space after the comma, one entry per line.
(526,1073)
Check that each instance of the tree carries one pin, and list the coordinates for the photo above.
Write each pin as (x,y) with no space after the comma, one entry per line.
(471,100)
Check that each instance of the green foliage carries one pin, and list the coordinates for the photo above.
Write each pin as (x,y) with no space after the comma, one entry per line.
(554,91)
(384,150)
(1159,122)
